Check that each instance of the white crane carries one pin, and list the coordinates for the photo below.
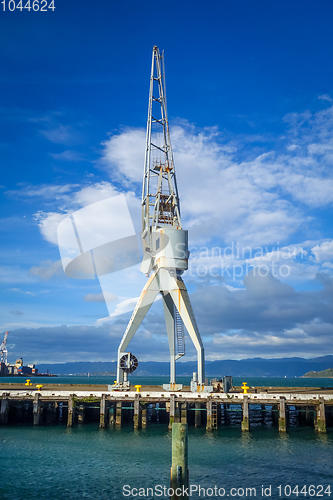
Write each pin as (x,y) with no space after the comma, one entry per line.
(3,350)
(164,239)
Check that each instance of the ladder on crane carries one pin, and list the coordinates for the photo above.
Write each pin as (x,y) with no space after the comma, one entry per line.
(179,329)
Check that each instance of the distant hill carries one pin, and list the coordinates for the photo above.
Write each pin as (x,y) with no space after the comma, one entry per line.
(252,367)
(324,373)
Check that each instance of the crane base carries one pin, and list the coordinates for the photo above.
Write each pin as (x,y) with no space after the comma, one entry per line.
(172,387)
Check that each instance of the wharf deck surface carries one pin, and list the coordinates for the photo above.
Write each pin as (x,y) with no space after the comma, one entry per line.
(264,395)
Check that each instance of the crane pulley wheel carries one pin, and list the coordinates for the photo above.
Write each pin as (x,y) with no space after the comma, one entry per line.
(128,363)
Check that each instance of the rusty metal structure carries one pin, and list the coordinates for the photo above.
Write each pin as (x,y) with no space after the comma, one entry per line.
(165,242)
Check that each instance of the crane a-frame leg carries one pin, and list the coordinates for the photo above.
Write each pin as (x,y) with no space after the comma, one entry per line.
(182,302)
(169,313)
(174,293)
(147,297)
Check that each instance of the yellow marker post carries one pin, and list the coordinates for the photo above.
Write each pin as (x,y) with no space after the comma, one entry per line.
(39,386)
(27,382)
(138,387)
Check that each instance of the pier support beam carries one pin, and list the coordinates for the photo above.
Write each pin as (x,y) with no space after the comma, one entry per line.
(36,409)
(246,419)
(282,416)
(321,418)
(179,468)
(112,419)
(162,414)
(144,416)
(102,413)
(51,413)
(218,414)
(137,412)
(183,413)
(197,415)
(4,409)
(70,415)
(119,413)
(81,417)
(209,406)
(172,410)
(309,416)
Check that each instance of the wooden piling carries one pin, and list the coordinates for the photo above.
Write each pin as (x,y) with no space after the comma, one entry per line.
(102,413)
(183,413)
(112,419)
(4,410)
(36,409)
(309,418)
(172,410)
(246,419)
(81,417)
(179,470)
(51,413)
(137,412)
(119,413)
(209,406)
(282,415)
(144,416)
(71,407)
(197,415)
(321,418)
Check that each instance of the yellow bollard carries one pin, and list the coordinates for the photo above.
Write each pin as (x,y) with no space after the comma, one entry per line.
(138,387)
(245,388)
(39,386)
(27,382)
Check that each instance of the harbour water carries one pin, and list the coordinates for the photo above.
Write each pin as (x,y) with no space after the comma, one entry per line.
(57,463)
(84,462)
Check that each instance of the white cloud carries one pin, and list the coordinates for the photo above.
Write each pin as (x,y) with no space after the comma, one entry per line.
(61,134)
(121,308)
(124,153)
(324,251)
(48,223)
(258,201)
(49,192)
(325,97)
(68,155)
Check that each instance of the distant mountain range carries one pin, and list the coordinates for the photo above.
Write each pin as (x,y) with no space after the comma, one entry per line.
(254,367)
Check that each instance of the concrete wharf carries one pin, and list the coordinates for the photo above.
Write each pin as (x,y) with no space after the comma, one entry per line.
(72,404)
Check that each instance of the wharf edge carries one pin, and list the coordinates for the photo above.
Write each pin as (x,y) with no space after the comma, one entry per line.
(200,409)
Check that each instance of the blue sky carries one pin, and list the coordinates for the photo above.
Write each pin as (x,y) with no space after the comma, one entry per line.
(250,101)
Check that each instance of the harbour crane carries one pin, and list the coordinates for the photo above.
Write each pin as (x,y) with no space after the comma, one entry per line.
(165,242)
(3,350)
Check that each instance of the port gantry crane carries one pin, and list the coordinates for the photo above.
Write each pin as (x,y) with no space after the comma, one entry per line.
(3,350)
(165,243)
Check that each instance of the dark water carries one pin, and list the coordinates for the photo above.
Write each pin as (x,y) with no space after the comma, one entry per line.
(84,462)
(251,381)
